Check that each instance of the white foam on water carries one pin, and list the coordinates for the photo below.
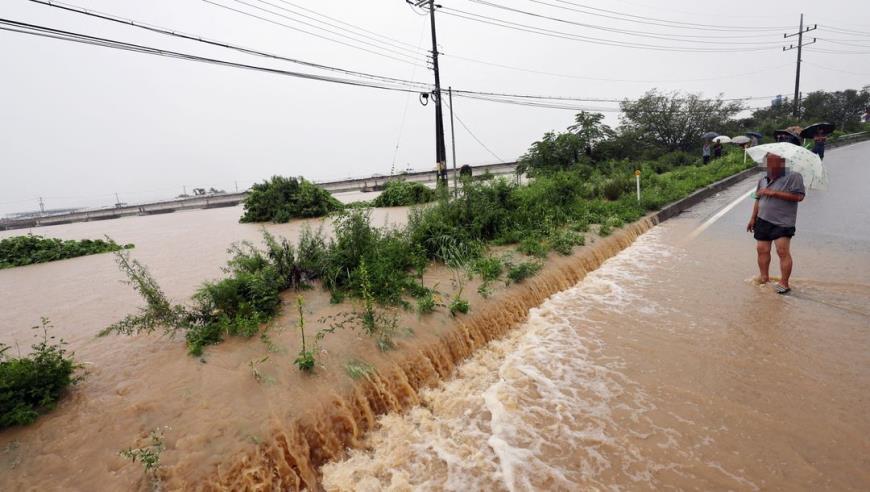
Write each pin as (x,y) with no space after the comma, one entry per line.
(542,409)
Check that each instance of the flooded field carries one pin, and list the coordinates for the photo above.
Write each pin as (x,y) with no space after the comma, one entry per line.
(665,368)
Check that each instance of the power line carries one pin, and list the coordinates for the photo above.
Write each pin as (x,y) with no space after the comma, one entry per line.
(587,39)
(391,43)
(705,35)
(402,53)
(42,31)
(605,79)
(475,136)
(373,33)
(293,28)
(643,34)
(200,39)
(836,69)
(640,19)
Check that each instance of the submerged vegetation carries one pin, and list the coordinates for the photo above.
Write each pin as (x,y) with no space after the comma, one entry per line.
(382,268)
(398,192)
(281,199)
(29,249)
(33,384)
(149,456)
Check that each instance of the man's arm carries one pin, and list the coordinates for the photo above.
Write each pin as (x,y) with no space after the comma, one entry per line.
(781,195)
(751,226)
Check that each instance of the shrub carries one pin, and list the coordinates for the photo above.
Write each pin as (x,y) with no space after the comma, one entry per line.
(458,305)
(399,192)
(533,247)
(518,273)
(426,303)
(149,456)
(282,199)
(30,249)
(489,268)
(33,384)
(563,242)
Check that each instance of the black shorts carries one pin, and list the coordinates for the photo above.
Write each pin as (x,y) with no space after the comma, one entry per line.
(765,231)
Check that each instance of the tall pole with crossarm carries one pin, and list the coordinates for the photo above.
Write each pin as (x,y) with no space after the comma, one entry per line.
(440,149)
(797,77)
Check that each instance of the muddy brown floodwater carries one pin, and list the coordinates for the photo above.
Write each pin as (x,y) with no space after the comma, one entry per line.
(665,368)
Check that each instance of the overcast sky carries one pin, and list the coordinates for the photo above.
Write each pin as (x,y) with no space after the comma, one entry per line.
(80,122)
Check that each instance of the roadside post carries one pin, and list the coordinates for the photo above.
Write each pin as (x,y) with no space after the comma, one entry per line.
(637,178)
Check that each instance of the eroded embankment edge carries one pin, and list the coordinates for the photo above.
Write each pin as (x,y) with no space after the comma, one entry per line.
(291,458)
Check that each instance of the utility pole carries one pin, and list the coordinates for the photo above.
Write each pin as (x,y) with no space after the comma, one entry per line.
(440,150)
(452,136)
(800,44)
(117,200)
(41,205)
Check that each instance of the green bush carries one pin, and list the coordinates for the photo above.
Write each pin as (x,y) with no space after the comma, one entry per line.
(26,250)
(563,242)
(33,384)
(398,193)
(532,246)
(521,271)
(281,199)
(489,268)
(426,303)
(458,305)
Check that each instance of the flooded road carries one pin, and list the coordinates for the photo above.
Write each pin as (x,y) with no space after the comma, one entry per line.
(665,368)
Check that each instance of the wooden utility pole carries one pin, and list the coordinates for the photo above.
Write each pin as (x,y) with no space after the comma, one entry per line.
(800,44)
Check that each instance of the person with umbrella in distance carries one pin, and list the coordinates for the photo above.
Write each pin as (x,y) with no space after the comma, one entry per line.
(774,216)
(819,133)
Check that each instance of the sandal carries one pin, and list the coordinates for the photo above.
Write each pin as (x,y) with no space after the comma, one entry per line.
(781,290)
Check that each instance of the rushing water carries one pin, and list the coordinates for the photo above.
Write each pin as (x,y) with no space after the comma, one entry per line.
(665,368)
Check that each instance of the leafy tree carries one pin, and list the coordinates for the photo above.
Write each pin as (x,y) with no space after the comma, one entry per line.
(590,129)
(676,121)
(842,108)
(554,152)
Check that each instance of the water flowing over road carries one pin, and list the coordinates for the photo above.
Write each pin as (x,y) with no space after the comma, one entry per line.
(667,367)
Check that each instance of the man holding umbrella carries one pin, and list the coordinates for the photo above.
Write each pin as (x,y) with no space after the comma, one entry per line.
(774,216)
(819,133)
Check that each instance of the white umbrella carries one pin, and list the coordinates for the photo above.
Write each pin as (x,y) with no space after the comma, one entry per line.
(797,159)
(722,139)
(739,140)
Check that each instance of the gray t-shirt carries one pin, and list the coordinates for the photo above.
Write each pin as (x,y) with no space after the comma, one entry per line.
(774,210)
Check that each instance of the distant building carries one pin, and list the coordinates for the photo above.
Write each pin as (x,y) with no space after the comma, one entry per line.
(776,101)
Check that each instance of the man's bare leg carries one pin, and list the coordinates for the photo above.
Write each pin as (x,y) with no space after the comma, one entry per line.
(783,250)
(763,249)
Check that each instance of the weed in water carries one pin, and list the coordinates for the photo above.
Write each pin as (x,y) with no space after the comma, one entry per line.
(34,384)
(255,368)
(149,456)
(485,289)
(305,360)
(521,271)
(458,305)
(357,369)
(563,242)
(532,246)
(489,268)
(426,303)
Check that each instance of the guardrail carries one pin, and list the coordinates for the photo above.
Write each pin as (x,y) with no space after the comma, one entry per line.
(372,183)
(849,138)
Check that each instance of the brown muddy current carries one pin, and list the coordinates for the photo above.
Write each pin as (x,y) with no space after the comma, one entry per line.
(664,368)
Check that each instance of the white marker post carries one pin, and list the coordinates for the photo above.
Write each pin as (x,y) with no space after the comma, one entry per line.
(637,177)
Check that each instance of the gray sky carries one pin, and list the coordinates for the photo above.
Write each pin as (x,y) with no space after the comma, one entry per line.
(80,123)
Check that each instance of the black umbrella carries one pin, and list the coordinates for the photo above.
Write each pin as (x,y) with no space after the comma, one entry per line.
(709,135)
(786,136)
(810,131)
(754,134)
